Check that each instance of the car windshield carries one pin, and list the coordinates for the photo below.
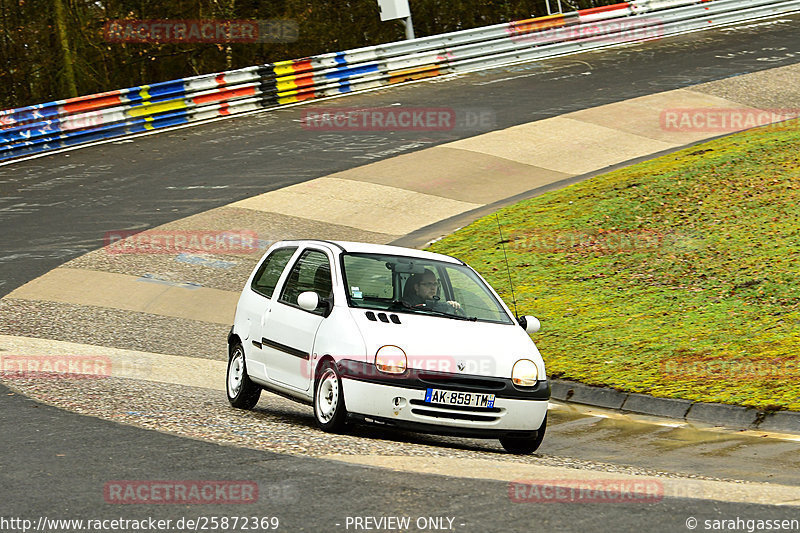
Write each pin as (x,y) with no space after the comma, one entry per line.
(413,285)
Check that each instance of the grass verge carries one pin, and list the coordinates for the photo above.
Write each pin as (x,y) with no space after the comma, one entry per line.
(676,277)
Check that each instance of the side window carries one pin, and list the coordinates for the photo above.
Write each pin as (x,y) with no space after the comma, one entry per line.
(270,270)
(312,272)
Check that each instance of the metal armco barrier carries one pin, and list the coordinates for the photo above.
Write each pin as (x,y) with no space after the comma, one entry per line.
(53,125)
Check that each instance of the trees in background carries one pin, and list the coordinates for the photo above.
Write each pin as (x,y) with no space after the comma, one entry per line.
(53,49)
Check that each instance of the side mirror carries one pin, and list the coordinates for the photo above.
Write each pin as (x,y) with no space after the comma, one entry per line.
(529,323)
(308,300)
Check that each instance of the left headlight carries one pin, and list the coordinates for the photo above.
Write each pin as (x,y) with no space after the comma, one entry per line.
(525,373)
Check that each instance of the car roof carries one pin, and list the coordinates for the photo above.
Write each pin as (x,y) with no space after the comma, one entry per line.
(368,248)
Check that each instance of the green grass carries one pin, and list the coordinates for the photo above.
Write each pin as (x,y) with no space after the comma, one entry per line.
(677,277)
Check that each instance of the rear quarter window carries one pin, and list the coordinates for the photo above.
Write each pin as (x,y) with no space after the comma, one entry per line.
(269,272)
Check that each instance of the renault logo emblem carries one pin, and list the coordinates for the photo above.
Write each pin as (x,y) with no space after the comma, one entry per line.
(461,365)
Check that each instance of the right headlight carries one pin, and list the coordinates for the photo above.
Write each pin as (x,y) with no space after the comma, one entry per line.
(391,360)
(525,373)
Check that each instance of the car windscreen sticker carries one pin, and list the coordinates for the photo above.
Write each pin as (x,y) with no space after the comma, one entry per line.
(356,292)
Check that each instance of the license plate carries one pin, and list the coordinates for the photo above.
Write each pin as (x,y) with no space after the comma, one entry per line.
(469,399)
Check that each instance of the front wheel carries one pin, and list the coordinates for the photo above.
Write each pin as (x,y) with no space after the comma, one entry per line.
(329,408)
(242,392)
(525,445)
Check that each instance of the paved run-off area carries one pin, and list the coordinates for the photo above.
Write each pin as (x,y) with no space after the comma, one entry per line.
(185,396)
(381,202)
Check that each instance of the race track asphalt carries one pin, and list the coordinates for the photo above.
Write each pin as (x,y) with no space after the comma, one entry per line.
(55,463)
(55,208)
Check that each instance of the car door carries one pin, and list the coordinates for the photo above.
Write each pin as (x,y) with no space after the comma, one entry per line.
(256,305)
(289,331)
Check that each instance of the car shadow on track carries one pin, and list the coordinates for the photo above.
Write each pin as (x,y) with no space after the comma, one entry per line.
(300,416)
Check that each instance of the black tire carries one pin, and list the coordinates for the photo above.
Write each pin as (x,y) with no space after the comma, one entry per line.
(330,411)
(525,445)
(242,392)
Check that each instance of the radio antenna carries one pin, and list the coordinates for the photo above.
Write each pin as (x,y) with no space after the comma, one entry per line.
(508,270)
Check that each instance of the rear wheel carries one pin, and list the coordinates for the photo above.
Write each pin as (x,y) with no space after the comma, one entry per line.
(525,445)
(329,408)
(242,392)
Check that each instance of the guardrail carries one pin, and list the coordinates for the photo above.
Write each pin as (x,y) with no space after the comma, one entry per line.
(64,123)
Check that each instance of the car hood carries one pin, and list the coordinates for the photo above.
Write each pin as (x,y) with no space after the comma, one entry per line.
(449,345)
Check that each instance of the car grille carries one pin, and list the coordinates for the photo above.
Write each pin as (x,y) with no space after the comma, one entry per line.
(451,380)
(454,416)
(454,412)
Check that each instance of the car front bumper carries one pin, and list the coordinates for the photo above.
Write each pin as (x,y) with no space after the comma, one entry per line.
(400,402)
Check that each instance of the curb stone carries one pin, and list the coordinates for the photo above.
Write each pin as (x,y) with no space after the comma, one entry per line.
(650,405)
(718,414)
(559,389)
(570,391)
(781,421)
(721,414)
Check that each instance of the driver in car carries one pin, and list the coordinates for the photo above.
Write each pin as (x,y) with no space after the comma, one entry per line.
(420,291)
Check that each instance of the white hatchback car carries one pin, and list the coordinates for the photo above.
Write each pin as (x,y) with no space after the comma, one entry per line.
(390,336)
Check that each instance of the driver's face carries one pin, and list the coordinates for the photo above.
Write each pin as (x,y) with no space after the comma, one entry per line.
(427,287)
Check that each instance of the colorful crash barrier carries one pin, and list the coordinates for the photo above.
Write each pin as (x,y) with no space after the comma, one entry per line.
(54,125)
